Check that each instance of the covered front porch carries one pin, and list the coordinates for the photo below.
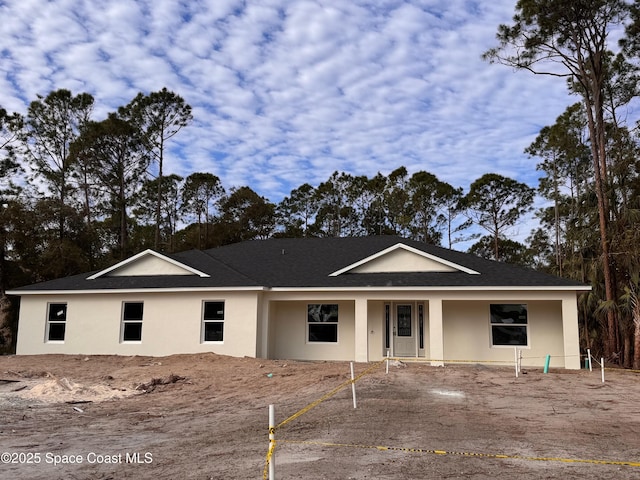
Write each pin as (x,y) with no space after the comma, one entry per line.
(419,325)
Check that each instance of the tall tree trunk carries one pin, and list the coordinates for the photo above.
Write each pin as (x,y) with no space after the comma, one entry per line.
(636,342)
(61,215)
(206,227)
(496,244)
(3,252)
(596,128)
(635,315)
(87,214)
(199,230)
(158,202)
(556,216)
(124,234)
(626,351)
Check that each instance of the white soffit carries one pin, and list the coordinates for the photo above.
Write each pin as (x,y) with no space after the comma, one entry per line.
(403,258)
(148,263)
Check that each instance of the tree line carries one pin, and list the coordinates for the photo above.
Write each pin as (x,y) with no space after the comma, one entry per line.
(79,194)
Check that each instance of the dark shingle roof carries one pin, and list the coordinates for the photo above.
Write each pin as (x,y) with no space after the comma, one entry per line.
(308,263)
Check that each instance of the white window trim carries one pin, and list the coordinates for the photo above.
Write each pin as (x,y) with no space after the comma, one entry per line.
(48,323)
(307,323)
(203,322)
(526,325)
(123,322)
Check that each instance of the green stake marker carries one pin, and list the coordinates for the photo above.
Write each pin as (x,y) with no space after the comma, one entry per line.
(546,364)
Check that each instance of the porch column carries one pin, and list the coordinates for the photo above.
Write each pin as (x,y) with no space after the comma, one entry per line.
(570,333)
(361,334)
(436,337)
(265,331)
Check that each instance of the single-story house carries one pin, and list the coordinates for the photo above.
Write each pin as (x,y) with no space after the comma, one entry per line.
(308,299)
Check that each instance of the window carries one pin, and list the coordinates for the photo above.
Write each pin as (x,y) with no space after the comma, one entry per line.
(132,321)
(322,322)
(509,325)
(421,325)
(387,326)
(213,322)
(404,321)
(56,322)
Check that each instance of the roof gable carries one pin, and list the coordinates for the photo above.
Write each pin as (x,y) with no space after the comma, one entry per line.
(145,264)
(401,258)
(309,263)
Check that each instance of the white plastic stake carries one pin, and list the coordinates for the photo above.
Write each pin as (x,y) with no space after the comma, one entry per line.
(589,358)
(387,369)
(520,360)
(602,367)
(353,386)
(515,353)
(272,441)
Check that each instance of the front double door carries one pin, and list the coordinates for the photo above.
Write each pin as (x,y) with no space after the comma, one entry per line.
(404,331)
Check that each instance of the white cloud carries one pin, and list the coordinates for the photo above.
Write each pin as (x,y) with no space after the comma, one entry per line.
(285,92)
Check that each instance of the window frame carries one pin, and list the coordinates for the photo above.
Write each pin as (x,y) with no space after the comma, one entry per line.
(128,321)
(516,324)
(421,326)
(387,328)
(50,322)
(205,321)
(333,311)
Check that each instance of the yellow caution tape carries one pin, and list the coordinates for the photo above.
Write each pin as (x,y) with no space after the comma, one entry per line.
(471,454)
(272,449)
(420,450)
(328,395)
(272,430)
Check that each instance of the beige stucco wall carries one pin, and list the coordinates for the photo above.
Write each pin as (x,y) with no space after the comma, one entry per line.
(467,333)
(172,323)
(288,328)
(273,324)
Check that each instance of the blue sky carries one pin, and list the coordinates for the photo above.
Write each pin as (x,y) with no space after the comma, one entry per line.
(287,91)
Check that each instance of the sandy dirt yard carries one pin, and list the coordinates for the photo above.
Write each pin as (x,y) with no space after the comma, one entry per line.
(206,417)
